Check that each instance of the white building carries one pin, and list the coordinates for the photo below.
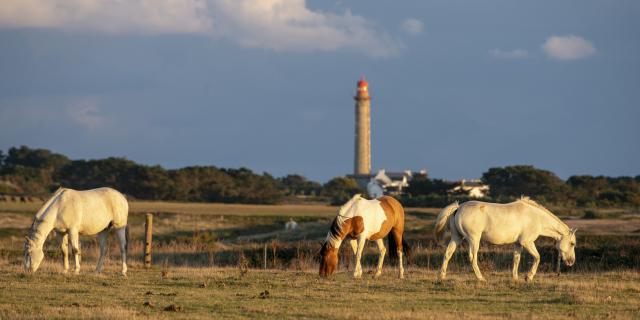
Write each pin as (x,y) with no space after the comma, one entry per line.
(472,187)
(391,182)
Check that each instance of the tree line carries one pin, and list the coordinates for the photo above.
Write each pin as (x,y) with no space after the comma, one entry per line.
(26,171)
(510,182)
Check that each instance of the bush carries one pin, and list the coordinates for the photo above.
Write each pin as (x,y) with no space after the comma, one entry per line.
(591,214)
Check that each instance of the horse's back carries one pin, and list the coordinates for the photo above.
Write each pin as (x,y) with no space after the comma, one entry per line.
(394,205)
(497,223)
(393,217)
(94,208)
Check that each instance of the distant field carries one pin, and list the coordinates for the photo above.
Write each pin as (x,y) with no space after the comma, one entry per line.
(296,210)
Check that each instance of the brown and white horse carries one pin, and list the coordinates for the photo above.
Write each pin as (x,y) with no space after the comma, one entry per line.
(360,220)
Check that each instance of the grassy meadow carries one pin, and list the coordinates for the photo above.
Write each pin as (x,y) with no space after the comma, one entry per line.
(209,259)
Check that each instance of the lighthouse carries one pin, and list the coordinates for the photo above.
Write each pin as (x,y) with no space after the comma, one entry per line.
(362,159)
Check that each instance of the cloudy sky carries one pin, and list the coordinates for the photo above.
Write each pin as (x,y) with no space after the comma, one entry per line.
(458,86)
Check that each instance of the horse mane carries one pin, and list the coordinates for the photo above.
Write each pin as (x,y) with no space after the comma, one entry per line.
(338,221)
(531,202)
(349,204)
(40,215)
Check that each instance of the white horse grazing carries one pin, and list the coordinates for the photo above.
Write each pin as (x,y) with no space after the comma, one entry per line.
(72,213)
(520,222)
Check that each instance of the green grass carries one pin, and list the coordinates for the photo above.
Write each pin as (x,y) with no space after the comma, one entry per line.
(226,293)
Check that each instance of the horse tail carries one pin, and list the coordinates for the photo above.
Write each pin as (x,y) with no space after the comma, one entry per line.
(406,249)
(393,247)
(443,219)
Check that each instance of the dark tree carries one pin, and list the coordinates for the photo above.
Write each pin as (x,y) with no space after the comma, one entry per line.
(340,189)
(513,181)
(295,184)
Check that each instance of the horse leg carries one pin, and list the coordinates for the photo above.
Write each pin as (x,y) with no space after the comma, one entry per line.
(354,246)
(531,248)
(517,251)
(383,251)
(397,236)
(474,246)
(64,246)
(451,248)
(122,239)
(558,263)
(357,273)
(102,241)
(75,248)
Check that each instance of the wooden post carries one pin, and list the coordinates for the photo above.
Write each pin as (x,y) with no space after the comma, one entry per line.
(264,260)
(274,246)
(148,234)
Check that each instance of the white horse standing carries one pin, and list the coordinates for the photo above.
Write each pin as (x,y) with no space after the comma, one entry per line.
(520,222)
(72,213)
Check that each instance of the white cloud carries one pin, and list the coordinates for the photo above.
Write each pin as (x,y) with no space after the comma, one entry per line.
(87,114)
(512,54)
(412,26)
(568,47)
(113,16)
(289,25)
(282,25)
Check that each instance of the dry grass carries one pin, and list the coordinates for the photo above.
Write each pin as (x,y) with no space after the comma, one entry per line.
(230,293)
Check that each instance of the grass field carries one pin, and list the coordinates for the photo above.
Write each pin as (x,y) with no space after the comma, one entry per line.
(208,261)
(189,293)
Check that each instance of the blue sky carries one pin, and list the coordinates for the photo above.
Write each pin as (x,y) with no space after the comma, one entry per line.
(457,86)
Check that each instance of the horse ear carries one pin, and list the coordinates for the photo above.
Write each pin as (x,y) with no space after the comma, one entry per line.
(573,231)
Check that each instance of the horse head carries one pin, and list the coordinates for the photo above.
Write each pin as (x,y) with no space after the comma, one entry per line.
(566,246)
(328,260)
(33,255)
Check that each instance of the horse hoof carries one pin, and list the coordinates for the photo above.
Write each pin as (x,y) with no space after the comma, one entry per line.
(483,280)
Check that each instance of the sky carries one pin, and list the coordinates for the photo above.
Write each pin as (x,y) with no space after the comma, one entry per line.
(457,86)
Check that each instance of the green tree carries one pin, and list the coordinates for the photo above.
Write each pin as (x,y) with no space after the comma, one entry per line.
(590,191)
(513,181)
(340,189)
(295,184)
(31,171)
(422,185)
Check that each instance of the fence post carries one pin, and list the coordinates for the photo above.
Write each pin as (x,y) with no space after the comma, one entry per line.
(148,234)
(264,256)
